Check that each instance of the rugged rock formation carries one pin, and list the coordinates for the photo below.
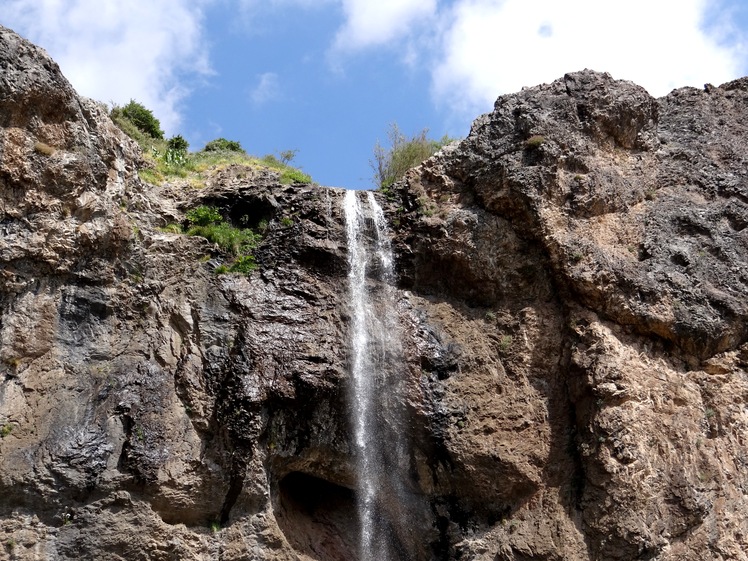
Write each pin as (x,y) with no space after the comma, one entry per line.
(573,298)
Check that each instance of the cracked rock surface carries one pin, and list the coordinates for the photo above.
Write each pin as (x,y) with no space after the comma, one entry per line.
(572,299)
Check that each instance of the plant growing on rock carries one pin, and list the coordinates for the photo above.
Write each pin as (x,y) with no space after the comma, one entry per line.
(204,215)
(178,143)
(139,116)
(535,141)
(286,156)
(390,164)
(207,222)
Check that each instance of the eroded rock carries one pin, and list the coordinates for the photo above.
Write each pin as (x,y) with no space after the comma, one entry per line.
(572,301)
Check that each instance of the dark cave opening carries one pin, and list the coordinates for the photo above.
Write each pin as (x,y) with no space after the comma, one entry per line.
(317,517)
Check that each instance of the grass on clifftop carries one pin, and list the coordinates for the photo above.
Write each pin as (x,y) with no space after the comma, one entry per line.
(170,159)
(164,166)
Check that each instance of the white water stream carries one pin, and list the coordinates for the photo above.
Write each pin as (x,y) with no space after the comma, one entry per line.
(376,352)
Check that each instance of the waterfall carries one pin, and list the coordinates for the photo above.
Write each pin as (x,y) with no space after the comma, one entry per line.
(376,381)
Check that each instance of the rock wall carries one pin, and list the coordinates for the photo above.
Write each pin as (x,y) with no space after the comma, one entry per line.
(572,295)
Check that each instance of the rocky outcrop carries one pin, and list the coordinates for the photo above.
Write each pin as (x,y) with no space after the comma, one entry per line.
(572,299)
(585,248)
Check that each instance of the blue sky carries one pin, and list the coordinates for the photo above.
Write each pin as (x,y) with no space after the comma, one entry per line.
(326,77)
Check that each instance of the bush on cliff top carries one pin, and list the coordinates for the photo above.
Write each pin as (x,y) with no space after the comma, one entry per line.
(390,164)
(139,116)
(221,144)
(170,158)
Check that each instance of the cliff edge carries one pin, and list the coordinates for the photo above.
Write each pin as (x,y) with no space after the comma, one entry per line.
(572,296)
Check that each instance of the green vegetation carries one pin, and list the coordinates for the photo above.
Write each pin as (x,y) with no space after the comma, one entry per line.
(390,164)
(286,156)
(178,143)
(140,117)
(288,174)
(239,243)
(167,159)
(223,145)
(204,216)
(6,430)
(231,240)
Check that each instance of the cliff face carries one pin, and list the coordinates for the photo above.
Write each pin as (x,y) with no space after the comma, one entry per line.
(572,296)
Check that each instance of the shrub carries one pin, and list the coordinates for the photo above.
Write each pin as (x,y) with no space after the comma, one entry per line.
(204,216)
(208,223)
(236,241)
(243,264)
(221,144)
(535,141)
(390,164)
(178,143)
(142,118)
(286,156)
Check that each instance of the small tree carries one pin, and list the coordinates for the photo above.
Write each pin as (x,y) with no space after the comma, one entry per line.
(178,143)
(221,144)
(286,156)
(390,164)
(143,119)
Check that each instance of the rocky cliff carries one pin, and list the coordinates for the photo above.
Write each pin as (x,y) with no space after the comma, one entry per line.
(572,297)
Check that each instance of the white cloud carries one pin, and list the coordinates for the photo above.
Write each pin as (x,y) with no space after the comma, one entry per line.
(267,88)
(112,50)
(497,46)
(370,23)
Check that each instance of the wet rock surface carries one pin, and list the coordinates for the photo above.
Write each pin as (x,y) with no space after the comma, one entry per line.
(572,300)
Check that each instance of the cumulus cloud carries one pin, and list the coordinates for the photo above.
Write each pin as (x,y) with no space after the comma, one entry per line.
(479,49)
(267,88)
(115,51)
(497,46)
(370,23)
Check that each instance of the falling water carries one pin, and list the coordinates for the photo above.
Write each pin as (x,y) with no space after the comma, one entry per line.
(375,346)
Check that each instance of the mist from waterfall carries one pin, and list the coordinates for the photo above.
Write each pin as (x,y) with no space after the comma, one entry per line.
(377,381)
